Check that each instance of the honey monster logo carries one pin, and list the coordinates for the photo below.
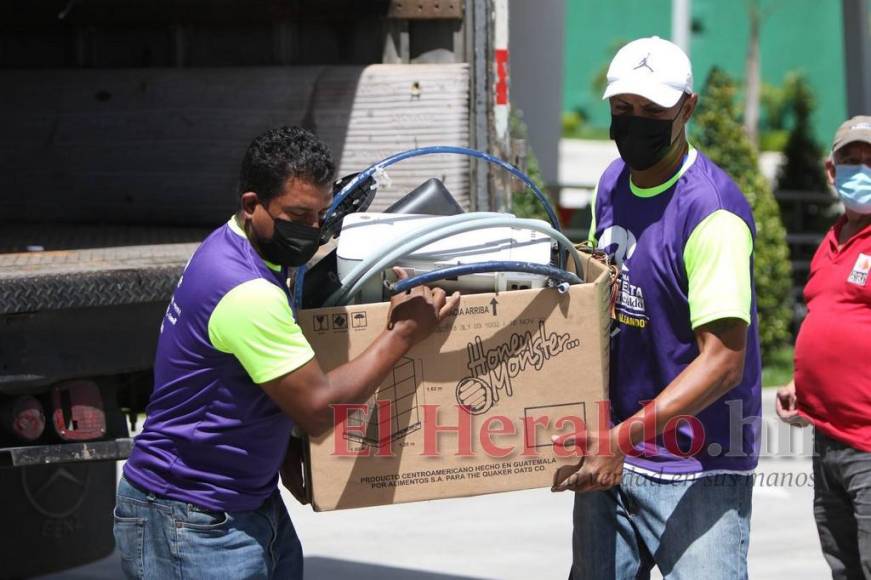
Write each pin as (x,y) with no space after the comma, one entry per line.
(492,370)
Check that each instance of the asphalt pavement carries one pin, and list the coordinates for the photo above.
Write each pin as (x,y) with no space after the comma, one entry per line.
(526,535)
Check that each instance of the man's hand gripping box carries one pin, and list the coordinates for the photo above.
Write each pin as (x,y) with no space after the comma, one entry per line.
(472,409)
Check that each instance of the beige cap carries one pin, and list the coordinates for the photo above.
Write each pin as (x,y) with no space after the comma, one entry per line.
(856,129)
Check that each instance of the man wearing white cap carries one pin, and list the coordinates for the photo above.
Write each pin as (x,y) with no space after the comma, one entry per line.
(685,363)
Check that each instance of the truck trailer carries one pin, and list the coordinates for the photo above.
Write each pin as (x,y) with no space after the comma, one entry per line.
(122,128)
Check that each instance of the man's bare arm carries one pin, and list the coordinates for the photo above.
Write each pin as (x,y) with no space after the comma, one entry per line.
(717,370)
(307,395)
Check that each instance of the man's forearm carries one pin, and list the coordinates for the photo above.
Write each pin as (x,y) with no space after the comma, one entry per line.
(308,395)
(355,381)
(692,391)
(718,368)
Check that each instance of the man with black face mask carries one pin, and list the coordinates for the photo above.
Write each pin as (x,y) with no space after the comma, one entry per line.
(233,374)
(670,483)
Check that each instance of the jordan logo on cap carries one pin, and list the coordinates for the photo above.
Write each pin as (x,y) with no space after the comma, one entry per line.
(644,64)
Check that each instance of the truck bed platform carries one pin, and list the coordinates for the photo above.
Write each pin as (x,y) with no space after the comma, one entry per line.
(77,278)
(84,312)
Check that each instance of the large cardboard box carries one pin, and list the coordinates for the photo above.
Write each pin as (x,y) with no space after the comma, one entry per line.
(503,374)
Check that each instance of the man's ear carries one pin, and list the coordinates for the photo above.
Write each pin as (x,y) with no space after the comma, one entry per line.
(249,203)
(830,171)
(692,102)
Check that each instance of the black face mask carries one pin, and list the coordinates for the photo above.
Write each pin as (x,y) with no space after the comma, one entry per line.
(292,244)
(642,141)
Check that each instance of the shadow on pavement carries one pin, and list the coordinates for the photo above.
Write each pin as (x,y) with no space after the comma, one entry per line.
(316,568)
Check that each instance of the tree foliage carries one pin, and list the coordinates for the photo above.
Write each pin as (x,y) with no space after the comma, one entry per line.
(524,204)
(803,168)
(720,135)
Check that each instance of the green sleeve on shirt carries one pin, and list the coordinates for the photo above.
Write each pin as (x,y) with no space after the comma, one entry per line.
(253,322)
(717,260)
(592,236)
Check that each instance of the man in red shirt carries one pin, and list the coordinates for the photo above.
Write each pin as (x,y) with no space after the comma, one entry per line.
(832,382)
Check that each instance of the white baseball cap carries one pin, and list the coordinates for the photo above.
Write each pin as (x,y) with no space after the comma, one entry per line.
(654,68)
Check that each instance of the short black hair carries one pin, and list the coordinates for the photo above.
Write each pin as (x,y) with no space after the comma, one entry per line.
(283,153)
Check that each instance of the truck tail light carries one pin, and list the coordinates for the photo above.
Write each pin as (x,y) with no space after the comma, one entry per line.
(23,417)
(77,411)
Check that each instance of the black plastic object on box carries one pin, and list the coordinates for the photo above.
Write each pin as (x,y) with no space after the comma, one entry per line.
(429,198)
(359,200)
(320,281)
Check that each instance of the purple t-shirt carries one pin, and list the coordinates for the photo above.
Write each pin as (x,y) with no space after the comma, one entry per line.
(647,235)
(213,437)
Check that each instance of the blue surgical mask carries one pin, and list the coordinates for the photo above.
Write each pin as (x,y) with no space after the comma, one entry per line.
(853,183)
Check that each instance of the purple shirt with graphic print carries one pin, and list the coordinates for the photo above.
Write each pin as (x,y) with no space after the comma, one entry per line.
(647,236)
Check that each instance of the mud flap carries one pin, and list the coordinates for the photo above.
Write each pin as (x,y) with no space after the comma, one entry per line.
(55,517)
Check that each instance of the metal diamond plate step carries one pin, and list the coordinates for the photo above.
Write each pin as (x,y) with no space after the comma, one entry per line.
(34,281)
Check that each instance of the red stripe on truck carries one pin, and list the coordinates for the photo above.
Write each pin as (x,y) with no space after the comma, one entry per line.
(501,55)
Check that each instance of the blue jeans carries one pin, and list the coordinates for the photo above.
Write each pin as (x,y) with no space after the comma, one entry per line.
(689,529)
(165,539)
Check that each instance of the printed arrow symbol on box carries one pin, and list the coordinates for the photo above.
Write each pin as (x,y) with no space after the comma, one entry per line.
(493,303)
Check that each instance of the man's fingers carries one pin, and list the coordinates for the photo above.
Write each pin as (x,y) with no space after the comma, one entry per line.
(438,298)
(561,474)
(401,274)
(570,482)
(587,478)
(588,481)
(557,479)
(785,398)
(779,407)
(577,480)
(797,420)
(784,404)
(581,484)
(610,480)
(449,305)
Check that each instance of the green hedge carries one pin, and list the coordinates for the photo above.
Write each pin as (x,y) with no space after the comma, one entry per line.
(719,134)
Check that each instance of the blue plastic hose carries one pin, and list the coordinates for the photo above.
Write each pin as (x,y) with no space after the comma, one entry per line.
(481,268)
(352,285)
(433,150)
(395,247)
(452,150)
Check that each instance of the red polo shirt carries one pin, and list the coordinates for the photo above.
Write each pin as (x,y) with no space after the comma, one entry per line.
(833,349)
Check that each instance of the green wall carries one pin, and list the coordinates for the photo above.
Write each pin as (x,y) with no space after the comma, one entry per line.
(797,35)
